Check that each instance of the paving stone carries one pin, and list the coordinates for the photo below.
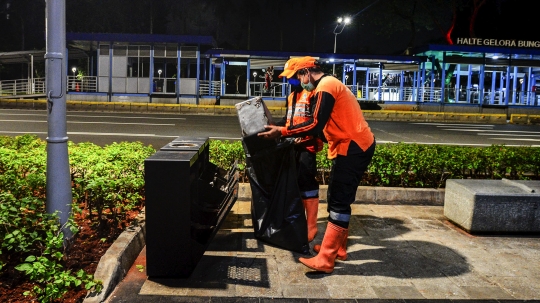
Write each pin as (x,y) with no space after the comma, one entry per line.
(439,288)
(486,292)
(397,292)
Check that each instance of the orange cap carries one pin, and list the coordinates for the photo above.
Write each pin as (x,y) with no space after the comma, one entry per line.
(289,68)
(296,64)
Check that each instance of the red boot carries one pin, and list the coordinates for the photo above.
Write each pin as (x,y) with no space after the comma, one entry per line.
(312,208)
(332,241)
(342,251)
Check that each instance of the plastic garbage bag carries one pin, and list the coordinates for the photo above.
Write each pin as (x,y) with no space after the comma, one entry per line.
(277,211)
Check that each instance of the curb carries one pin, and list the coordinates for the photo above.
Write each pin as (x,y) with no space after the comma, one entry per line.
(114,265)
(230,110)
(118,259)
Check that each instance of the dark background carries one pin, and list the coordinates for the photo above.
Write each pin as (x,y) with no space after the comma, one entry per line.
(378,26)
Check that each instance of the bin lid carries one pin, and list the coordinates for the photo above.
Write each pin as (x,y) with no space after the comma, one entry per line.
(187,144)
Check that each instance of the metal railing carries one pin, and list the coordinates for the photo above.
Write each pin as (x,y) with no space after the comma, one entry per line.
(36,86)
(17,87)
(209,88)
(275,89)
(82,84)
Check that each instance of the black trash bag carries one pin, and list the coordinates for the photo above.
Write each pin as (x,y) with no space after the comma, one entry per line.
(277,211)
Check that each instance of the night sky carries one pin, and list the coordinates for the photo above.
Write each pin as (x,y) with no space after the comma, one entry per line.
(277,25)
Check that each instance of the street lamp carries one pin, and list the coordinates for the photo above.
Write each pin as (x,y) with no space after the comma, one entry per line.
(342,22)
(159,73)
(254,76)
(74,84)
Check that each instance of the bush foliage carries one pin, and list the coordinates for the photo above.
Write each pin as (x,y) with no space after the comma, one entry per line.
(426,166)
(105,181)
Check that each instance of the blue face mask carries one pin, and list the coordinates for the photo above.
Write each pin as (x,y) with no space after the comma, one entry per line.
(294,82)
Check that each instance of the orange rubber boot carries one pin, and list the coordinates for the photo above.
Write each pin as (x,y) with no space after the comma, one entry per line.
(325,260)
(342,251)
(312,208)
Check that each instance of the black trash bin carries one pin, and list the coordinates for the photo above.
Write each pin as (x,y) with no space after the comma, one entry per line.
(187,199)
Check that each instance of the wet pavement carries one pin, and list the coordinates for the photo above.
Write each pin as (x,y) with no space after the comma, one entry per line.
(396,253)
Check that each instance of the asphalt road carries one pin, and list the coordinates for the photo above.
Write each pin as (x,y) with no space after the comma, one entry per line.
(159,129)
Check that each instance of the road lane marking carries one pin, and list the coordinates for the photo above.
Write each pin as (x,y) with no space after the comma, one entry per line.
(93,116)
(491,130)
(454,124)
(97,122)
(513,135)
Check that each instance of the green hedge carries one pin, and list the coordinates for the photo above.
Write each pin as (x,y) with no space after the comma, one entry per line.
(415,165)
(105,182)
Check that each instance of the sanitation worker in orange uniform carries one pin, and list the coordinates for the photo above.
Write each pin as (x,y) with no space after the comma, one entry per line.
(351,145)
(306,148)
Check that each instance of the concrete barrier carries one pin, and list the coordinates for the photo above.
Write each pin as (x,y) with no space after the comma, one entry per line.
(377,195)
(188,109)
(163,108)
(534,119)
(519,119)
(435,117)
(493,206)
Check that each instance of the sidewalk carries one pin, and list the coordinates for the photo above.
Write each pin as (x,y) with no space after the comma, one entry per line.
(397,252)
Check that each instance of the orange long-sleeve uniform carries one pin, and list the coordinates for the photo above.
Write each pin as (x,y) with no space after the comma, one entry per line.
(335,112)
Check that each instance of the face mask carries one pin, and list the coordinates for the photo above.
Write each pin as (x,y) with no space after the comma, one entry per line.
(294,82)
(308,86)
(295,85)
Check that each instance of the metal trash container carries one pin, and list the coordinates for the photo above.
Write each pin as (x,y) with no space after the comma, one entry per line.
(187,199)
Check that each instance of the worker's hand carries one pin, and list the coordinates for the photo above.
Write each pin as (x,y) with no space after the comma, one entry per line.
(272,132)
(297,140)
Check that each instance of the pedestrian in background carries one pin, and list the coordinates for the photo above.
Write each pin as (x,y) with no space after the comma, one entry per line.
(351,145)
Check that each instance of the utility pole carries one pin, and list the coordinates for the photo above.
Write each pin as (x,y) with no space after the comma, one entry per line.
(59,197)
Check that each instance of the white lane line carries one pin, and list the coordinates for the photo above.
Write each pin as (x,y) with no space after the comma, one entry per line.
(89,116)
(459,126)
(513,135)
(454,124)
(449,144)
(490,130)
(226,138)
(516,139)
(94,134)
(97,122)
(118,134)
(128,117)
(120,123)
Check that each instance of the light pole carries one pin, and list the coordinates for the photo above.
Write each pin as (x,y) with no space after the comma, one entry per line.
(342,22)
(73,84)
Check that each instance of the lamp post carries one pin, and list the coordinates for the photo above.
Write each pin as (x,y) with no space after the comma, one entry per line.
(342,22)
(73,84)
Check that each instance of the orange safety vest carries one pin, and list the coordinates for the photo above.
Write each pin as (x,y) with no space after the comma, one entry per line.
(299,112)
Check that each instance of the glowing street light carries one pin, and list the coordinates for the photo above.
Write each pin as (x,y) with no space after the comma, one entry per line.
(342,22)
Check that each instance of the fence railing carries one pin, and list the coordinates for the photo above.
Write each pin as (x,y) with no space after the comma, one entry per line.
(82,83)
(22,87)
(209,88)
(36,86)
